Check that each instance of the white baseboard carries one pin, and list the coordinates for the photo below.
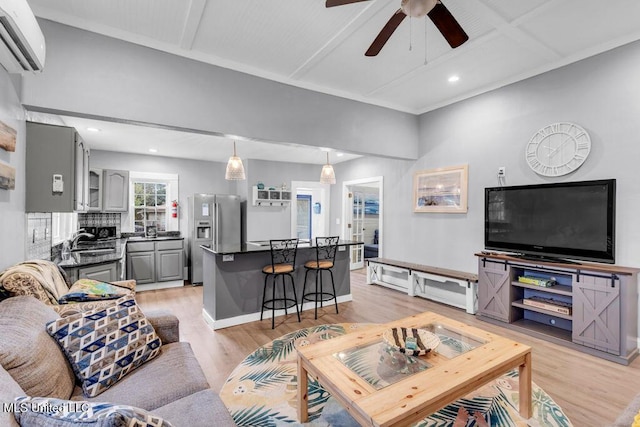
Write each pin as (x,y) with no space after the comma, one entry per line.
(252,317)
(159,285)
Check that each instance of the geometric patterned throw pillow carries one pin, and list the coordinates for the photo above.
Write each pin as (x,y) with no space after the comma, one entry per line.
(105,344)
(50,412)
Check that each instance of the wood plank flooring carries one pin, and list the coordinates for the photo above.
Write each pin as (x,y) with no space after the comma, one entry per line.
(590,390)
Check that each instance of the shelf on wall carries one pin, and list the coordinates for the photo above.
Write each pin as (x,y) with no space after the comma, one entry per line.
(266,197)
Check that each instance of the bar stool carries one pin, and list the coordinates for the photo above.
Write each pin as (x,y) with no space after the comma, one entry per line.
(326,248)
(283,262)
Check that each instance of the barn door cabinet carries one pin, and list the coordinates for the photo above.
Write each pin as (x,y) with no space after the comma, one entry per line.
(594,306)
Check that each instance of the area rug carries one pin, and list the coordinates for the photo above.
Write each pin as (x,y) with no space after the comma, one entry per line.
(262,391)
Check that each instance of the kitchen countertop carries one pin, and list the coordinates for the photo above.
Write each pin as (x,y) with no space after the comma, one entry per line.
(153,239)
(263,246)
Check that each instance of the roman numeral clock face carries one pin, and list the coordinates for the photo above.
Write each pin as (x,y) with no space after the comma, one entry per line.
(558,149)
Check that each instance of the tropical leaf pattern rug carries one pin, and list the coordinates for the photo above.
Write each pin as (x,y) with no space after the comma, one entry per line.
(262,391)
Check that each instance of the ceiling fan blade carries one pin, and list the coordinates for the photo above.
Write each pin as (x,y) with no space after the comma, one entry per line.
(332,3)
(448,26)
(386,33)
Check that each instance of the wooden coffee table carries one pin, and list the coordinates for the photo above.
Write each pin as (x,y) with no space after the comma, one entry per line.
(382,387)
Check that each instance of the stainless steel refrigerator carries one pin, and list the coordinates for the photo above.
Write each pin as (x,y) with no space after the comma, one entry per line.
(215,220)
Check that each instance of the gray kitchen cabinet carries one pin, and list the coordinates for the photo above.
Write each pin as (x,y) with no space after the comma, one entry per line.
(141,266)
(141,262)
(108,272)
(155,261)
(103,272)
(169,260)
(57,167)
(115,191)
(95,190)
(494,290)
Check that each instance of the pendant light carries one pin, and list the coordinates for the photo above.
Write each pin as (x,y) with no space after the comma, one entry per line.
(327,176)
(235,169)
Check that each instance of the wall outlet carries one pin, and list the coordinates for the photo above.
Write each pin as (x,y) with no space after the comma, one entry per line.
(227,258)
(502,171)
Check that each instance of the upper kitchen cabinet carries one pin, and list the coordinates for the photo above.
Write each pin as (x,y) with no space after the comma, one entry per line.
(57,169)
(116,191)
(95,190)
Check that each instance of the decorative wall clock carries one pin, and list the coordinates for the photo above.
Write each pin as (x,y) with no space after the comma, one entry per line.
(558,149)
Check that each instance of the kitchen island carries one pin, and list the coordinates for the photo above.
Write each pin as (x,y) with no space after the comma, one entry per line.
(234,281)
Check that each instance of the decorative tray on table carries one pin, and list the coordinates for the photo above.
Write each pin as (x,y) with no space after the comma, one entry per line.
(414,342)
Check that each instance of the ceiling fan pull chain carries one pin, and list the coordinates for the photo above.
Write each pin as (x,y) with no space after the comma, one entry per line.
(425,40)
(410,29)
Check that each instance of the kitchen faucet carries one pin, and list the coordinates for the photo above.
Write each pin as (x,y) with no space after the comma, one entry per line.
(77,235)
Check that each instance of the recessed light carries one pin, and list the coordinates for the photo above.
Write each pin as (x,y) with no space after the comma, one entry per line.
(339,154)
(153,150)
(327,149)
(93,129)
(454,79)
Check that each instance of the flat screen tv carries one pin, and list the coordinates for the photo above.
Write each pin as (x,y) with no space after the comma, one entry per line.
(574,220)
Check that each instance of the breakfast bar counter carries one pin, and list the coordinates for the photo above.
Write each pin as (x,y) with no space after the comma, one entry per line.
(233,280)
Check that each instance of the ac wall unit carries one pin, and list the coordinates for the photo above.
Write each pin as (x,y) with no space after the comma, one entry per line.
(22,46)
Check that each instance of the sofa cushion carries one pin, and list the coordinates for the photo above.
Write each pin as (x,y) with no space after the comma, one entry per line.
(28,353)
(104,345)
(9,390)
(174,374)
(47,412)
(209,406)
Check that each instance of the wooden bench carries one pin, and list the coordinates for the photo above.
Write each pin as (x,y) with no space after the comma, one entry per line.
(425,281)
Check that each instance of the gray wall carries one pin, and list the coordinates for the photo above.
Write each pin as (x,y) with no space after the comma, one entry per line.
(602,94)
(267,222)
(96,75)
(195,176)
(12,202)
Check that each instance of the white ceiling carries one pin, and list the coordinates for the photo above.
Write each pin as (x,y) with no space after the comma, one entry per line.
(302,43)
(131,138)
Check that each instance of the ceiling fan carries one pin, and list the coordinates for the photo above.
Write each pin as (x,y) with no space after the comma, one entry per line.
(440,15)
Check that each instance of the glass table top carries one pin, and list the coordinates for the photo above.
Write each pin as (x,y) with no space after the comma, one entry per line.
(381,364)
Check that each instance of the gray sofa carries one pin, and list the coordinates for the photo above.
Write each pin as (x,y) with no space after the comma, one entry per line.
(172,385)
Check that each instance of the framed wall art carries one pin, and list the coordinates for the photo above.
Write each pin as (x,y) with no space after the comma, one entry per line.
(7,137)
(441,190)
(7,177)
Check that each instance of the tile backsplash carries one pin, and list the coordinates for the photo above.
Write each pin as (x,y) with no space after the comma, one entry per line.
(38,236)
(100,219)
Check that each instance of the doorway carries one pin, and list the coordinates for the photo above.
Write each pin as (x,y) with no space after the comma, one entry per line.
(303,216)
(362,218)
(309,210)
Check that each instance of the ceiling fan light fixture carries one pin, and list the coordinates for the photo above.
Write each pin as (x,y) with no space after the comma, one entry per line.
(235,168)
(417,8)
(327,176)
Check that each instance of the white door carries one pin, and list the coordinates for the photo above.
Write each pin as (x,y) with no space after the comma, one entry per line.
(356,229)
(354,217)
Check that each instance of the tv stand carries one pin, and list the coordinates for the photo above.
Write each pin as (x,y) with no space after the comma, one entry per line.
(545,258)
(591,307)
